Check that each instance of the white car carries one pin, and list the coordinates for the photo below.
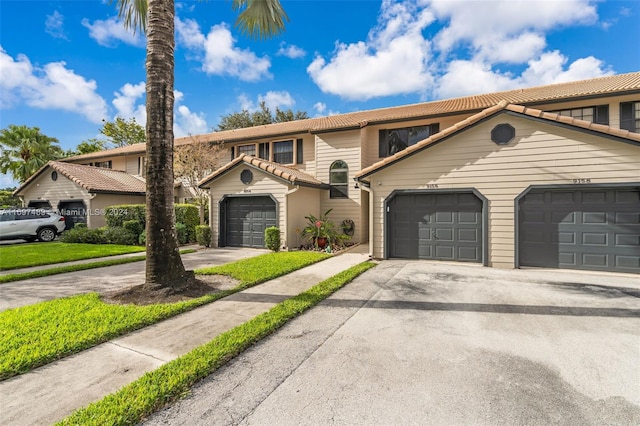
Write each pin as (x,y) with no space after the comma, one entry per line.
(29,224)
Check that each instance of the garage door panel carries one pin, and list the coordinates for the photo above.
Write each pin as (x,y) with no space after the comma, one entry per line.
(598,230)
(246,218)
(445,226)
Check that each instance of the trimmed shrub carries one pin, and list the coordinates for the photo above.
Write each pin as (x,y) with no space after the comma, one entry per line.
(133,226)
(183,234)
(272,238)
(83,235)
(203,235)
(117,215)
(79,225)
(142,239)
(189,215)
(119,235)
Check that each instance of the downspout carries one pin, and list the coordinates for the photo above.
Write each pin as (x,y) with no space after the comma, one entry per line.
(286,216)
(366,188)
(89,207)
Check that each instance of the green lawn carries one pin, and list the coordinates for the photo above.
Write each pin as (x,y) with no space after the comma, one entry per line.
(34,335)
(171,381)
(36,254)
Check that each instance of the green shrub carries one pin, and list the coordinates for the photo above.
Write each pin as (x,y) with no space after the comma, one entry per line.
(142,238)
(189,215)
(119,235)
(79,225)
(117,215)
(272,238)
(133,226)
(83,235)
(203,235)
(183,234)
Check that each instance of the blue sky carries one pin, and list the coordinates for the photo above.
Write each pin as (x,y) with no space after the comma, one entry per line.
(67,65)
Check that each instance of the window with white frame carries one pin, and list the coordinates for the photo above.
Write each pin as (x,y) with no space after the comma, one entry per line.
(283,152)
(247,150)
(339,180)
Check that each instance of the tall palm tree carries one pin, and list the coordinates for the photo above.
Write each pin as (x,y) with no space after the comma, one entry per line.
(258,19)
(25,150)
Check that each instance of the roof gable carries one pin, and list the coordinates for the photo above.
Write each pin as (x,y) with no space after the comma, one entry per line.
(93,179)
(502,107)
(288,174)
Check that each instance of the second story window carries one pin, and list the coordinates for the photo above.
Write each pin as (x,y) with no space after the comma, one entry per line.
(283,152)
(395,140)
(339,180)
(102,164)
(247,149)
(630,116)
(596,114)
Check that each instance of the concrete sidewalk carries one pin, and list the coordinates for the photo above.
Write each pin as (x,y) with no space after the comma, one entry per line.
(50,393)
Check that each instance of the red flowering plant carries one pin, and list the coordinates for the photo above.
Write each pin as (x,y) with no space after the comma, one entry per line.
(321,229)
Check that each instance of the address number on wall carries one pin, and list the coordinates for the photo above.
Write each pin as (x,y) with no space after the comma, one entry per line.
(579,181)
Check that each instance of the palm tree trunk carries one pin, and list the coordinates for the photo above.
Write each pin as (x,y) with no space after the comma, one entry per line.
(164,269)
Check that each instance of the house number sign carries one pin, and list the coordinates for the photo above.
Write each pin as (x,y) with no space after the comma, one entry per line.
(583,180)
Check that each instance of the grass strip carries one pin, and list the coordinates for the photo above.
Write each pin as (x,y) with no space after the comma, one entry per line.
(34,335)
(73,268)
(38,254)
(169,382)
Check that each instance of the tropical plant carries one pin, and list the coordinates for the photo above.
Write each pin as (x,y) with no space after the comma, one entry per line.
(258,19)
(322,227)
(25,150)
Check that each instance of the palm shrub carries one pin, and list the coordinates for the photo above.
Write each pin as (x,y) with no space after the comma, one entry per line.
(272,238)
(188,215)
(322,227)
(203,235)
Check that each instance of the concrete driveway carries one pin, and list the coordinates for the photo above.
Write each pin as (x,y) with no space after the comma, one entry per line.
(27,292)
(441,344)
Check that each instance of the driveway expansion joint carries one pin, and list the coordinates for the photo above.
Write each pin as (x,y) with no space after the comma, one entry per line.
(138,352)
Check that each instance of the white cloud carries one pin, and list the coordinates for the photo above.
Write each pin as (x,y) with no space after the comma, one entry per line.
(126,99)
(369,69)
(129,103)
(111,32)
(320,107)
(54,25)
(53,86)
(464,78)
(272,99)
(291,51)
(475,47)
(219,54)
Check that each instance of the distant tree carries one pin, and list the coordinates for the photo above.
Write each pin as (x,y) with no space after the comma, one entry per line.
(193,162)
(244,118)
(88,146)
(25,150)
(121,132)
(7,199)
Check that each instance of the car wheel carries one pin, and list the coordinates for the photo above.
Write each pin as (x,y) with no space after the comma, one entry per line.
(46,234)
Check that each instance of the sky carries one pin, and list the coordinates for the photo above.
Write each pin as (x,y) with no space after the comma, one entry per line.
(67,65)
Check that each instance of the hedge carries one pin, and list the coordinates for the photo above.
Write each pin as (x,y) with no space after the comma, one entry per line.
(117,216)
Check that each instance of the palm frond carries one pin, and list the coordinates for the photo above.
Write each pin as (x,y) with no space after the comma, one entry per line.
(260,19)
(133,14)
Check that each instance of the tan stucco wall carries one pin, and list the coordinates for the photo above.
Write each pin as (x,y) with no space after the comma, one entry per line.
(540,154)
(301,203)
(100,202)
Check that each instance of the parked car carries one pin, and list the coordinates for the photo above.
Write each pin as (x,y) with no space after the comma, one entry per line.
(30,224)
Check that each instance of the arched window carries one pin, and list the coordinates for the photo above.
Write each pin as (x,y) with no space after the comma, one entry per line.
(339,180)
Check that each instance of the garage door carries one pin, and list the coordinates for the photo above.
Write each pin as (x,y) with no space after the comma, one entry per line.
(73,212)
(245,220)
(594,229)
(439,226)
